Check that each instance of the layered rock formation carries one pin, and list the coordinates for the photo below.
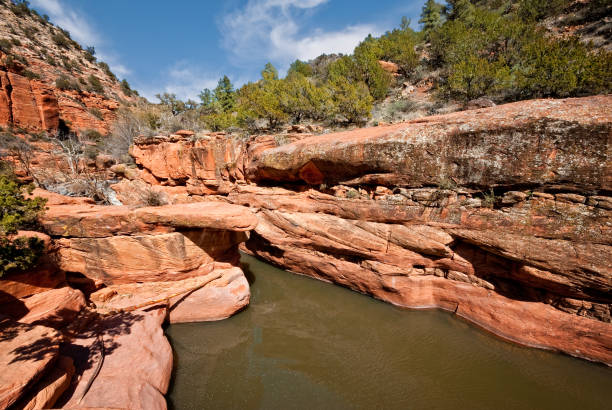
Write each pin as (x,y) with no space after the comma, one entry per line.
(501,215)
(29,97)
(84,330)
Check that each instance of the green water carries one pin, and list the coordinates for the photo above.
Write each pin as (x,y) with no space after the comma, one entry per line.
(305,344)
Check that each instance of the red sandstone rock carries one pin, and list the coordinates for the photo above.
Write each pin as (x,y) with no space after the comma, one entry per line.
(137,363)
(528,323)
(26,352)
(47,105)
(25,112)
(137,192)
(100,221)
(125,259)
(20,285)
(185,133)
(221,299)
(6,115)
(524,142)
(203,163)
(49,389)
(214,296)
(53,308)
(389,67)
(57,199)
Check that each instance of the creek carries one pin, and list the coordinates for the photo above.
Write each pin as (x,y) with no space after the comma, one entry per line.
(305,344)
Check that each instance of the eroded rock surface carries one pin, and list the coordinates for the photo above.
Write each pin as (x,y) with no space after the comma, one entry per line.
(26,353)
(501,214)
(137,268)
(137,362)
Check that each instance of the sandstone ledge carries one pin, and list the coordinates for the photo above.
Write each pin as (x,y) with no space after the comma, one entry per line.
(95,221)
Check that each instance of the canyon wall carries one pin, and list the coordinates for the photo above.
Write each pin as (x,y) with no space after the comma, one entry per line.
(500,215)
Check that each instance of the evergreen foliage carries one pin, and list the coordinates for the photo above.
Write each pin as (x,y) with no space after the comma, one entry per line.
(431,16)
(18,212)
(469,48)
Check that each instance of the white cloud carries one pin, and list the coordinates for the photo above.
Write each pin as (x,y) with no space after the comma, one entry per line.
(69,20)
(77,24)
(271,29)
(184,80)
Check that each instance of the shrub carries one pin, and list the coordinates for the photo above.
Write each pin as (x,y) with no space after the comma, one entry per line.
(150,197)
(96,113)
(90,54)
(31,75)
(61,40)
(5,45)
(20,7)
(105,67)
(126,89)
(95,85)
(17,212)
(65,83)
(351,100)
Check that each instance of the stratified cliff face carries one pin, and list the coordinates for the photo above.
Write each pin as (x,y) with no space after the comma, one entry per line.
(501,215)
(31,60)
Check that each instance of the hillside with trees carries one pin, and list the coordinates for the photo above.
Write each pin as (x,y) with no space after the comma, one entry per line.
(503,51)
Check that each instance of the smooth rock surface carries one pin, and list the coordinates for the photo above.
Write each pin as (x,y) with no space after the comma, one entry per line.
(54,308)
(26,352)
(137,362)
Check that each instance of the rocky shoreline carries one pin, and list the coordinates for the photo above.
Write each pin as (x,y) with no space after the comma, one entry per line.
(501,215)
(85,329)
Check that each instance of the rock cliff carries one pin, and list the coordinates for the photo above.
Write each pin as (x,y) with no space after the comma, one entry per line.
(34,54)
(500,215)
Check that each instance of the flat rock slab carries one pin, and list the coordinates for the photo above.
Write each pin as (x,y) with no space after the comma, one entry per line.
(20,285)
(214,296)
(26,352)
(95,221)
(137,364)
(562,142)
(139,258)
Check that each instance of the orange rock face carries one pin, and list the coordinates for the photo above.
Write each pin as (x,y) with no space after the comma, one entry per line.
(134,338)
(26,352)
(35,106)
(500,214)
(425,264)
(389,67)
(539,142)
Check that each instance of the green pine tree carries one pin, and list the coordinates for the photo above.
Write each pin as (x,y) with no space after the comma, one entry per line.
(225,95)
(431,16)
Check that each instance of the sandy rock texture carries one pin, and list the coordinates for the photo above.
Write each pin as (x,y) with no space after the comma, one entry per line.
(501,214)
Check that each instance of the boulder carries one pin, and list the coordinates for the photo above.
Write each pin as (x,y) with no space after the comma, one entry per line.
(389,67)
(482,102)
(220,299)
(214,296)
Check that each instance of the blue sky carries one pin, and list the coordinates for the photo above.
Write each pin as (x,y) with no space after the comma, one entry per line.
(183,47)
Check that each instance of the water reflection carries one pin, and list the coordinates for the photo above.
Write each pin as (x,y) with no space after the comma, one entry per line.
(304,344)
